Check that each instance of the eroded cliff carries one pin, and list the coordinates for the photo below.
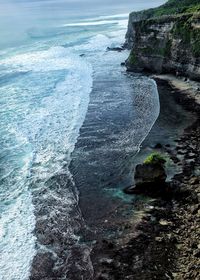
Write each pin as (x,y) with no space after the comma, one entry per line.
(165,43)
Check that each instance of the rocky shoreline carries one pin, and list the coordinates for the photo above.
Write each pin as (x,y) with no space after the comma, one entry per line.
(164,242)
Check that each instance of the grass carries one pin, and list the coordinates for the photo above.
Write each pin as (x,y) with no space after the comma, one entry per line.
(155,158)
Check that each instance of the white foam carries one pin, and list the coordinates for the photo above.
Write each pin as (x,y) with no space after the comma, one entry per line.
(51,128)
(123,23)
(96,44)
(91,23)
(100,21)
(56,58)
(114,16)
(17,242)
(67,107)
(59,116)
(50,121)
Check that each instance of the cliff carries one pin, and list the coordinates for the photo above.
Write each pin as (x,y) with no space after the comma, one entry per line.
(166,39)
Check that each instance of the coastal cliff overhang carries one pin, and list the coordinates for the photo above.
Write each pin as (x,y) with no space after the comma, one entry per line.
(166,44)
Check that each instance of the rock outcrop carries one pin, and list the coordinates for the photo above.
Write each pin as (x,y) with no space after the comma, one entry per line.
(149,174)
(150,177)
(165,44)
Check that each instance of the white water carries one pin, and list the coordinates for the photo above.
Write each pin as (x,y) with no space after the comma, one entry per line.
(45,90)
(46,124)
(44,97)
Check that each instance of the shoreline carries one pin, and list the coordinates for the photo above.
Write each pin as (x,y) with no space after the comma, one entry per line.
(157,244)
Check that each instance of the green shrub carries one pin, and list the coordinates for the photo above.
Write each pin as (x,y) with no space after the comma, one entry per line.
(172,7)
(196,49)
(189,34)
(155,158)
(195,37)
(183,30)
(194,9)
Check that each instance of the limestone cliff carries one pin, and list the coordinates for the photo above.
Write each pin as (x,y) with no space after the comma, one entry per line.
(165,43)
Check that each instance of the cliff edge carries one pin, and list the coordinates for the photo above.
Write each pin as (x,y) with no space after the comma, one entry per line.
(166,39)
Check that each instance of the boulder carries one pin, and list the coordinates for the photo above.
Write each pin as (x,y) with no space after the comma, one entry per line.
(150,173)
(150,180)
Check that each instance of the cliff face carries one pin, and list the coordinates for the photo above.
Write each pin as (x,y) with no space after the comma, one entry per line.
(164,44)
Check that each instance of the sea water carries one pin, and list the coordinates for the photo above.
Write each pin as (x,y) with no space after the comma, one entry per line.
(49,81)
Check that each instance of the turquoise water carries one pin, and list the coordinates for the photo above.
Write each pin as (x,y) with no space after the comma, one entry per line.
(47,72)
(44,89)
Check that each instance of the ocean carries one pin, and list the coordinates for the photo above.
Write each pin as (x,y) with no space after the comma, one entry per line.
(71,121)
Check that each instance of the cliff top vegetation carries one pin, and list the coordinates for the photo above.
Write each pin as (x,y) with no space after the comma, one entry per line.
(173,7)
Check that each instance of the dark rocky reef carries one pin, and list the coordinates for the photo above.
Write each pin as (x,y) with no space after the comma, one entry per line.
(164,41)
(164,243)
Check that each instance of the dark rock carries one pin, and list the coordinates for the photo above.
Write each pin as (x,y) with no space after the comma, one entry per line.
(116,49)
(103,276)
(130,190)
(108,244)
(197,253)
(191,156)
(42,267)
(194,209)
(194,245)
(168,145)
(158,146)
(182,152)
(106,261)
(150,180)
(159,239)
(149,174)
(194,181)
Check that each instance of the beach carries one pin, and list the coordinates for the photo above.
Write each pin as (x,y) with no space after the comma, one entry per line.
(77,119)
(160,240)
